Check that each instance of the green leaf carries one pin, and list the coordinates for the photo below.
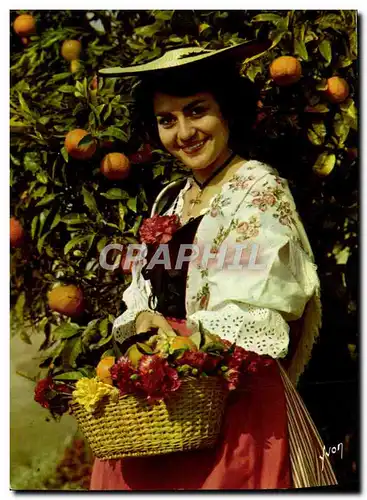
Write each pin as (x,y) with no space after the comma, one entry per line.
(65,154)
(32,162)
(90,201)
(325,50)
(273,18)
(69,376)
(102,243)
(103,327)
(115,194)
(75,352)
(43,216)
(23,104)
(149,30)
(66,89)
(47,199)
(115,132)
(317,133)
(77,241)
(131,203)
(324,164)
(34,226)
(60,76)
(86,141)
(75,218)
(66,331)
(122,213)
(341,129)
(253,71)
(56,220)
(19,306)
(300,49)
(42,177)
(350,113)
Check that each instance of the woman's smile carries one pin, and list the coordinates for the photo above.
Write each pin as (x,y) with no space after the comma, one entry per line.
(194,148)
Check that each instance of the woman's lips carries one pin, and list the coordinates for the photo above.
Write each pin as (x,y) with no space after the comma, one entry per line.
(195,148)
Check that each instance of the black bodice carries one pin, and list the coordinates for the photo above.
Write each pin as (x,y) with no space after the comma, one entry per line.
(169,285)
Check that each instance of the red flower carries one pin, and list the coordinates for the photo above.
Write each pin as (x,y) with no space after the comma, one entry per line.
(156,378)
(121,373)
(158,229)
(42,390)
(200,360)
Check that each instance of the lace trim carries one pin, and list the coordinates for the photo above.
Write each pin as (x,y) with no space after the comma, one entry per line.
(255,329)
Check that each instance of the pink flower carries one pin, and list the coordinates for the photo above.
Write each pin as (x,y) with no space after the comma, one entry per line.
(156,378)
(214,212)
(269,199)
(200,360)
(159,229)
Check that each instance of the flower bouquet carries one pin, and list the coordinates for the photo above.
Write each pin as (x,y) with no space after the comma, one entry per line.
(163,395)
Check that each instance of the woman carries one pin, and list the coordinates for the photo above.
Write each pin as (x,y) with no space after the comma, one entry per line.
(199,110)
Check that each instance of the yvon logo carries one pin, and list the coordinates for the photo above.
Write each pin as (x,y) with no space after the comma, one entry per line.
(332,450)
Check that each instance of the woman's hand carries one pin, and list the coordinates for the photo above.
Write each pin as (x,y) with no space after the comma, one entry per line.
(147,320)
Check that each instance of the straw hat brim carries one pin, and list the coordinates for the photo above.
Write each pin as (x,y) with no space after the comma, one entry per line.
(182,56)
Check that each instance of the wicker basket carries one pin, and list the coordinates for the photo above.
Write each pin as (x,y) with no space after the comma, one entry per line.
(190,419)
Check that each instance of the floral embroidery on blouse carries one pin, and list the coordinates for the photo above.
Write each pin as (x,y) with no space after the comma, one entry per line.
(217,205)
(222,234)
(275,198)
(203,296)
(248,229)
(240,182)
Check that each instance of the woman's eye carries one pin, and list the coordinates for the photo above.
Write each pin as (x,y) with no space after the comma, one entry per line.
(198,111)
(165,122)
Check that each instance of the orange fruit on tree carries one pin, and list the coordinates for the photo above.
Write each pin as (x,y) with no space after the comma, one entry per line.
(337,89)
(115,166)
(16,233)
(25,25)
(71,49)
(67,300)
(83,152)
(182,343)
(103,369)
(285,70)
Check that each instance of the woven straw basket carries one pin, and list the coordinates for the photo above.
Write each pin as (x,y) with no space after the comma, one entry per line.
(190,419)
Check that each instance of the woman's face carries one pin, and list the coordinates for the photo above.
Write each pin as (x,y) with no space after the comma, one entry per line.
(192,129)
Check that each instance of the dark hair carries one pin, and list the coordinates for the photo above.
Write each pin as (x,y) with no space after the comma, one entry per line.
(236,96)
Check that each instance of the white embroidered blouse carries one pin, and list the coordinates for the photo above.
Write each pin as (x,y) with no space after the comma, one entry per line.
(248,306)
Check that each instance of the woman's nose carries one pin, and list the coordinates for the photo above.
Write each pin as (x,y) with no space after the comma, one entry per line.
(185,130)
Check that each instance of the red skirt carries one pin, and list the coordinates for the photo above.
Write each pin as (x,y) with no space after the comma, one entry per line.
(252,452)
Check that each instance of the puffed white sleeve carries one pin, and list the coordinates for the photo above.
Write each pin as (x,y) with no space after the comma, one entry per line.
(252,305)
(136,298)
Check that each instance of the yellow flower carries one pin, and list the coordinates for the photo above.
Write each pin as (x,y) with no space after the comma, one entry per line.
(89,392)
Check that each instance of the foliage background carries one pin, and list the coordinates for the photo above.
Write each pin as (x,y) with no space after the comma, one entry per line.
(70,211)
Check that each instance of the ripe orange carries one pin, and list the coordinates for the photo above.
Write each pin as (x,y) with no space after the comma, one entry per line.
(182,343)
(16,233)
(67,300)
(72,140)
(24,25)
(103,369)
(71,49)
(285,70)
(115,166)
(337,89)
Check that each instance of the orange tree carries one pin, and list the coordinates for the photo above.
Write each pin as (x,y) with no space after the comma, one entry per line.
(68,199)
